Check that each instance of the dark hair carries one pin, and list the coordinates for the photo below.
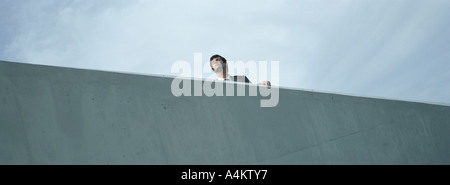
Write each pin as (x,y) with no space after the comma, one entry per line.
(216,56)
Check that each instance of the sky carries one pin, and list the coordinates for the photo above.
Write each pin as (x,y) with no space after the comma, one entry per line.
(393,49)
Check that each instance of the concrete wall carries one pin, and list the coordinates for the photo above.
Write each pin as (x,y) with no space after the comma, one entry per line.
(55,115)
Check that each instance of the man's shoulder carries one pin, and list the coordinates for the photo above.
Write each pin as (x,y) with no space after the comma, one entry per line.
(240,78)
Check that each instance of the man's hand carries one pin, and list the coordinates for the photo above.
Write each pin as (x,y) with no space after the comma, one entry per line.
(265,83)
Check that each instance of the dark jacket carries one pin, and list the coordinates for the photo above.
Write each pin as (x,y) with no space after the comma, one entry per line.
(240,79)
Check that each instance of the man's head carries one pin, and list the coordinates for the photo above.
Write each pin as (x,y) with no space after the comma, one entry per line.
(218,63)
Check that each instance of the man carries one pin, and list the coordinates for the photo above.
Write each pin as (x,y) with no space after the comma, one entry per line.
(220,67)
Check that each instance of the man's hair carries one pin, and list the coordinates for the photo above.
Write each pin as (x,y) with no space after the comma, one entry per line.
(216,56)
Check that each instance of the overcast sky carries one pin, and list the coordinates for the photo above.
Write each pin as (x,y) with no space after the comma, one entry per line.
(396,49)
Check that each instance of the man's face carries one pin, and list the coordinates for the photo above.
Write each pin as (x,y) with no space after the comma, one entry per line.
(218,64)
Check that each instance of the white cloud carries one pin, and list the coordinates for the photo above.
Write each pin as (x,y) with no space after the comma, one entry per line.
(353,46)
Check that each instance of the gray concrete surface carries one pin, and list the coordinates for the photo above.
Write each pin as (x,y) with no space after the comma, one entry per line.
(55,115)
